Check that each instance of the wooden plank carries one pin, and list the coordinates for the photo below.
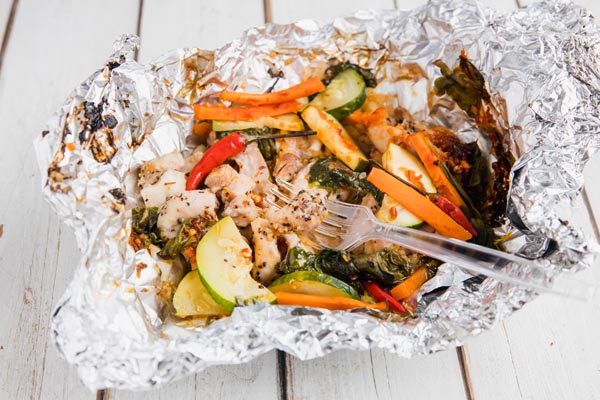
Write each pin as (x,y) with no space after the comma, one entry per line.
(53,46)
(206,24)
(202,23)
(254,380)
(376,375)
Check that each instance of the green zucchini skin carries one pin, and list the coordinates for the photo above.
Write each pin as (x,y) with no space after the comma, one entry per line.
(345,94)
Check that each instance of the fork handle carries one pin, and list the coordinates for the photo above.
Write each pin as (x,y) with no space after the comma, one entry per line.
(486,261)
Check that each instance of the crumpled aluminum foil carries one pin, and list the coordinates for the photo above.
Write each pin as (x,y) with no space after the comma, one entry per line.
(541,64)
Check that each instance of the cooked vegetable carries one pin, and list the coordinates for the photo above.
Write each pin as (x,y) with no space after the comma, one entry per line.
(225,148)
(335,138)
(456,213)
(144,226)
(432,161)
(330,174)
(418,204)
(466,86)
(336,67)
(224,263)
(220,112)
(344,94)
(303,89)
(192,299)
(411,284)
(366,118)
(310,282)
(285,122)
(387,266)
(401,163)
(380,295)
(188,234)
(201,129)
(328,302)
(216,155)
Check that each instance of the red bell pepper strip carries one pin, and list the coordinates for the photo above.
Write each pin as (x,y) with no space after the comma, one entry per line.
(380,295)
(216,155)
(454,212)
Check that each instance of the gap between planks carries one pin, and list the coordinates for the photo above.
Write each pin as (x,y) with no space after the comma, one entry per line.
(8,30)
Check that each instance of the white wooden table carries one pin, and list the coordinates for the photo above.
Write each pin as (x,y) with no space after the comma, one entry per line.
(548,350)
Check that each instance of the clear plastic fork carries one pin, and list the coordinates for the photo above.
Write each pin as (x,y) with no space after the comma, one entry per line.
(348,225)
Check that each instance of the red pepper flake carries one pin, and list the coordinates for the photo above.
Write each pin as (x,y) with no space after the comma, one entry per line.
(70,146)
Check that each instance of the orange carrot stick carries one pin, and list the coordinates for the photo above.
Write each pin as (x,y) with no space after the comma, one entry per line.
(431,161)
(410,285)
(303,89)
(418,204)
(366,118)
(220,112)
(328,302)
(202,129)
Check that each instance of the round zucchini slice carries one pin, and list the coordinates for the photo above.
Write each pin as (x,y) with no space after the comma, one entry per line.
(345,94)
(192,299)
(315,283)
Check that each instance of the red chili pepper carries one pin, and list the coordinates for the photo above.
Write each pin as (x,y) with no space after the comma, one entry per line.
(455,212)
(380,295)
(216,155)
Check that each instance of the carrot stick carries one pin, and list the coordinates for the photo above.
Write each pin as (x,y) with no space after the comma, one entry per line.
(431,161)
(366,118)
(410,285)
(328,302)
(201,129)
(303,89)
(418,204)
(220,112)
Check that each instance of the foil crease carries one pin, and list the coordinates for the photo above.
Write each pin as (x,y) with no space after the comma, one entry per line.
(541,64)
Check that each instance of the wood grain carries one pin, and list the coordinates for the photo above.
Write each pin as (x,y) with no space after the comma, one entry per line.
(5,10)
(37,256)
(205,24)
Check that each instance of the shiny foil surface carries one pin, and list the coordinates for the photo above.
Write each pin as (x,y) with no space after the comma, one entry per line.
(542,67)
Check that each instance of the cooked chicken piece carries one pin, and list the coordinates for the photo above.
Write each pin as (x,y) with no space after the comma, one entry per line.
(151,170)
(186,205)
(220,177)
(252,164)
(242,210)
(160,178)
(242,185)
(166,183)
(266,253)
(371,202)
(301,179)
(304,213)
(382,134)
(193,158)
(286,166)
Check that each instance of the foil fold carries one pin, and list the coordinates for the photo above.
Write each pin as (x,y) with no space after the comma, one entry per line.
(541,64)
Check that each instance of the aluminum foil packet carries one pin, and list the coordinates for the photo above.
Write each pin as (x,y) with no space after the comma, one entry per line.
(541,65)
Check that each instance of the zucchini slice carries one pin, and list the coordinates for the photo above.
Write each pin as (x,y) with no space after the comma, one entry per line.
(344,94)
(224,262)
(286,122)
(192,299)
(310,282)
(398,161)
(333,135)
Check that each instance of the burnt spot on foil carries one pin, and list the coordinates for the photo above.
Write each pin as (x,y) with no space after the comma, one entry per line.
(118,194)
(45,133)
(97,133)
